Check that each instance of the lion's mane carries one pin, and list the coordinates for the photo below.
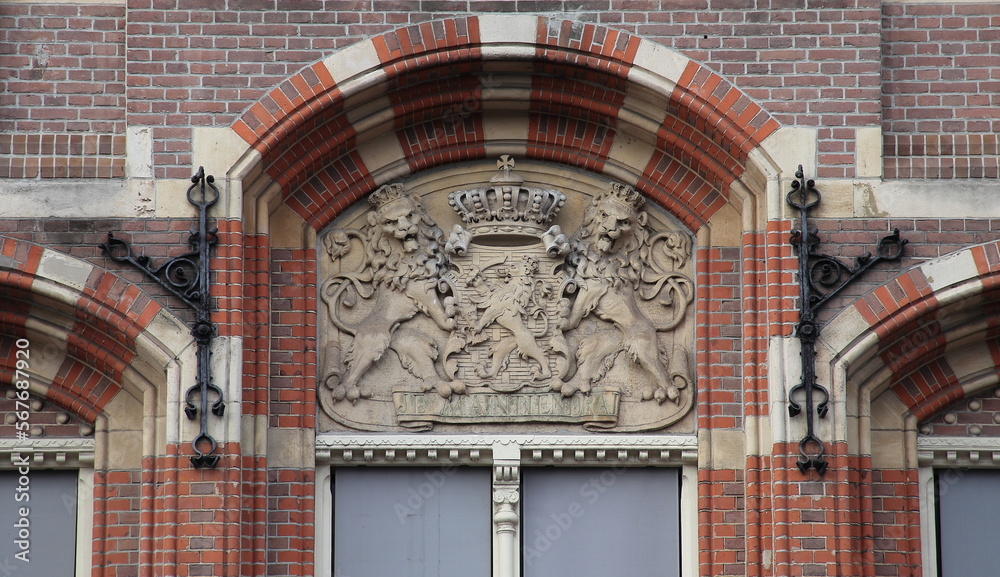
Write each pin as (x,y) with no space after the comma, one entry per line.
(392,267)
(623,266)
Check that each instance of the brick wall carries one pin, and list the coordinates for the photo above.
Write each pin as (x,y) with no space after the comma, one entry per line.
(924,72)
(720,339)
(941,90)
(895,523)
(62,91)
(293,338)
(191,64)
(809,64)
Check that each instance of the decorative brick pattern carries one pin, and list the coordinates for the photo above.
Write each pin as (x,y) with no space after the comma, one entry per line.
(732,121)
(332,190)
(62,155)
(577,91)
(923,72)
(940,106)
(438,114)
(941,156)
(439,92)
(929,389)
(430,42)
(690,198)
(47,419)
(977,416)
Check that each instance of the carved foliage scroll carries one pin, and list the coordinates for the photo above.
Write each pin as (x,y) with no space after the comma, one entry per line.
(507,320)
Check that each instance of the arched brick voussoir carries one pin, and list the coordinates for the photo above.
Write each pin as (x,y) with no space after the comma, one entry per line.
(915,293)
(718,109)
(109,321)
(932,329)
(324,113)
(301,102)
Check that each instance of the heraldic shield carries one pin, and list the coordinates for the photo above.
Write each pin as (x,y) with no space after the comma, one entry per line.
(506,322)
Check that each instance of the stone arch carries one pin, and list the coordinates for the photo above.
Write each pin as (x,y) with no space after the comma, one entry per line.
(471,88)
(922,341)
(105,351)
(898,357)
(576,97)
(579,98)
(94,334)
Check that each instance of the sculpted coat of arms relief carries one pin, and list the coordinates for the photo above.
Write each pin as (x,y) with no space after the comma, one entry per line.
(518,318)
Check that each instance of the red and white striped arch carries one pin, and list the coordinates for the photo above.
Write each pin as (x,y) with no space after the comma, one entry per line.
(930,336)
(471,88)
(90,332)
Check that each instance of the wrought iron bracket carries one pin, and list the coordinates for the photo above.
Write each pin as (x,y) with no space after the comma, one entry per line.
(187,277)
(821,277)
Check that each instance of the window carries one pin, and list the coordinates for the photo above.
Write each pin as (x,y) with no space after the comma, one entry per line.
(967,506)
(411,521)
(56,475)
(591,522)
(39,511)
(959,497)
(520,507)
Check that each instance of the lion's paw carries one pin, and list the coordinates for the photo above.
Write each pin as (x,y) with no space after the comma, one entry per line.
(567,389)
(661,394)
(351,393)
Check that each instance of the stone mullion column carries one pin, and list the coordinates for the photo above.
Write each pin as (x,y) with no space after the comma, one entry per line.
(506,511)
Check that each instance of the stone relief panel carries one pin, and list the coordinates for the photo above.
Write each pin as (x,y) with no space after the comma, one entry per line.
(507,322)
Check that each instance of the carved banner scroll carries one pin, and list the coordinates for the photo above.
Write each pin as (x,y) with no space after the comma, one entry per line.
(507,320)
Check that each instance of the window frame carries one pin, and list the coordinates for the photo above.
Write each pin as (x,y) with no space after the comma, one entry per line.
(505,455)
(63,454)
(942,452)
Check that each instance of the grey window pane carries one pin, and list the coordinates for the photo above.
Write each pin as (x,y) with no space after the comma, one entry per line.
(600,522)
(968,522)
(51,518)
(412,522)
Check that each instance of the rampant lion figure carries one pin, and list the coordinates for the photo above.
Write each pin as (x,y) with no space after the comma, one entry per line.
(613,266)
(507,305)
(399,279)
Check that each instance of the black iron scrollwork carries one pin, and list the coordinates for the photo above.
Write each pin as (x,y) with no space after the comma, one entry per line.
(820,278)
(187,277)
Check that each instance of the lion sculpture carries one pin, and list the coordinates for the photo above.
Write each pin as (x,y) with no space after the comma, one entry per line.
(399,279)
(613,267)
